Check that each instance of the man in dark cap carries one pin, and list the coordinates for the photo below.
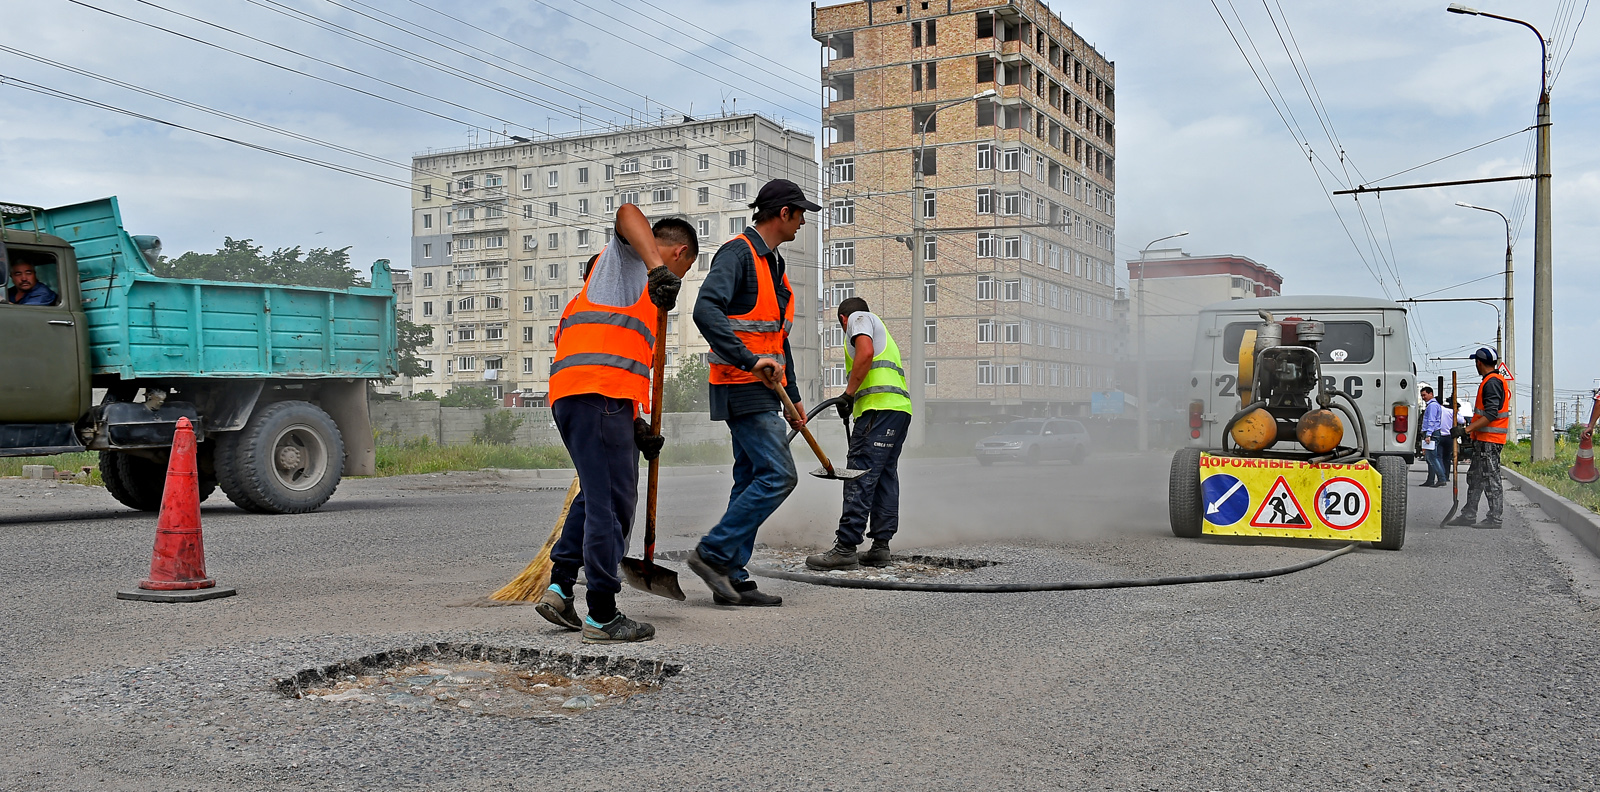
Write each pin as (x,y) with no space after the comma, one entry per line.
(745,310)
(1489,429)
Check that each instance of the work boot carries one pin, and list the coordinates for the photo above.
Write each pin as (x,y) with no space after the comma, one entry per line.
(1463,521)
(878,556)
(838,557)
(715,575)
(619,630)
(557,609)
(1489,522)
(749,596)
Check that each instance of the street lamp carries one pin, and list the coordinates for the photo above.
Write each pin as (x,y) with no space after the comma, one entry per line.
(1544,440)
(1144,390)
(1508,352)
(917,376)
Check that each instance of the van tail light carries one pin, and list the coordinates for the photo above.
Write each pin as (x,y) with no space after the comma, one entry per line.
(1196,408)
(1402,421)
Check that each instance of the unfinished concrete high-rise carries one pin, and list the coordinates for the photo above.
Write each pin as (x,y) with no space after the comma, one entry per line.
(1019,202)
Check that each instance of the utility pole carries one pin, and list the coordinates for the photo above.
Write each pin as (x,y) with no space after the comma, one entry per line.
(917,375)
(1144,388)
(1508,352)
(1544,396)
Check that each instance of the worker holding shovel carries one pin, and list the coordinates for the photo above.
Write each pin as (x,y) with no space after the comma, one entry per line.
(745,310)
(605,349)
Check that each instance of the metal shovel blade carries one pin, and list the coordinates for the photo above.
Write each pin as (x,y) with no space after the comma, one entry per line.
(837,474)
(651,579)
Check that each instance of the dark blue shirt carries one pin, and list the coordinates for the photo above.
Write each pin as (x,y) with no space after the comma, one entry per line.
(40,294)
(730,289)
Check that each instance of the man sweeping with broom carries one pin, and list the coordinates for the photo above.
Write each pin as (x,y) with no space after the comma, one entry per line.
(605,347)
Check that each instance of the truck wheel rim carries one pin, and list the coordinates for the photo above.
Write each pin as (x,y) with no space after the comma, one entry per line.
(299,458)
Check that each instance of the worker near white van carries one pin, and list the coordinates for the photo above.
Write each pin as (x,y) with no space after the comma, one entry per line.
(1490,426)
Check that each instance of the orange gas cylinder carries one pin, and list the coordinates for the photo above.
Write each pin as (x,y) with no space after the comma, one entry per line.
(1256,431)
(1319,431)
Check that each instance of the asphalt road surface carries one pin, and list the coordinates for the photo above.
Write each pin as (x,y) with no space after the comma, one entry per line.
(1468,660)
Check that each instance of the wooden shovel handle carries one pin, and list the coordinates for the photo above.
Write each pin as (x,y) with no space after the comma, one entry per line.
(658,381)
(794,414)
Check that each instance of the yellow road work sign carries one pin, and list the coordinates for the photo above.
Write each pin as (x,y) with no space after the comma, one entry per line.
(1282,497)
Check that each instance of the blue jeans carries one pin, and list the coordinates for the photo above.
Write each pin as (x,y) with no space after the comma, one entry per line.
(875,445)
(1438,459)
(763,476)
(598,433)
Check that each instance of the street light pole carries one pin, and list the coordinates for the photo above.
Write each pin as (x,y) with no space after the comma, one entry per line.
(1144,389)
(1544,394)
(917,375)
(1508,352)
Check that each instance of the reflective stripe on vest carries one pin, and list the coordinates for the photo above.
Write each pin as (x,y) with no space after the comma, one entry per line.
(762,329)
(1499,427)
(884,387)
(604,349)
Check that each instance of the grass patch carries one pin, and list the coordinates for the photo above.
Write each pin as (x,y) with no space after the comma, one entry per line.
(696,454)
(422,456)
(1553,474)
(12,466)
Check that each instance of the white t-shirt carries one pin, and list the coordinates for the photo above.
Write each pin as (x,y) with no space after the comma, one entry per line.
(619,275)
(865,323)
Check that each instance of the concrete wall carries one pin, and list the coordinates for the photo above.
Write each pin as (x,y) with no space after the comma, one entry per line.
(405,420)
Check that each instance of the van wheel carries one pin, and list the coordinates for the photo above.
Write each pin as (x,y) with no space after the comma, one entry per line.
(1079,454)
(287,460)
(1032,457)
(1183,494)
(1393,470)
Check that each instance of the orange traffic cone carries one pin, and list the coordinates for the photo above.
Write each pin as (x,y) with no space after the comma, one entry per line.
(1583,472)
(178,565)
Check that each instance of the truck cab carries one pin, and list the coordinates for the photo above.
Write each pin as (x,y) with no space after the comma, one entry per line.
(47,362)
(1366,354)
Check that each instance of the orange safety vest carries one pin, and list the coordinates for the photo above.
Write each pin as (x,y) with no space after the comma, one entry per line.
(605,349)
(1499,423)
(761,330)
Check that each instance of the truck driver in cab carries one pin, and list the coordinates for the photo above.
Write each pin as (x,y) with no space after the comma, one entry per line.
(26,289)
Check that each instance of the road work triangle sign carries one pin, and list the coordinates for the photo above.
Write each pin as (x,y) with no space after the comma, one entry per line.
(1280,509)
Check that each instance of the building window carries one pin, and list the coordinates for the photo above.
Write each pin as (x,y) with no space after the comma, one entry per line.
(702,195)
(466,363)
(985,372)
(660,162)
(464,304)
(583,237)
(553,209)
(702,228)
(986,202)
(739,192)
(527,181)
(631,197)
(930,290)
(553,270)
(985,331)
(930,373)
(841,254)
(527,304)
(1012,334)
(1013,374)
(552,241)
(985,113)
(1013,247)
(466,333)
(844,211)
(985,287)
(494,333)
(552,303)
(932,80)
(1011,159)
(552,179)
(611,172)
(1010,203)
(738,158)
(427,220)
(527,365)
(916,71)
(988,245)
(704,262)
(497,241)
(930,331)
(930,205)
(925,161)
(630,165)
(583,175)
(844,170)
(611,204)
(427,192)
(735,225)
(1011,291)
(493,180)
(427,250)
(464,184)
(838,292)
(427,280)
(427,308)
(583,206)
(550,333)
(704,162)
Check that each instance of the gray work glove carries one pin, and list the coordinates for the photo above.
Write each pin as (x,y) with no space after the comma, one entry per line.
(664,288)
(648,444)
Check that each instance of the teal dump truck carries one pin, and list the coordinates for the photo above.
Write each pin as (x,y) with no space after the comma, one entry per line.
(274,378)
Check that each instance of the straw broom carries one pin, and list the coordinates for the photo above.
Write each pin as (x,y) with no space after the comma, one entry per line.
(530,585)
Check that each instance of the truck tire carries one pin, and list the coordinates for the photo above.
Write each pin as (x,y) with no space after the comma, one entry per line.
(139,483)
(286,460)
(1393,470)
(1183,494)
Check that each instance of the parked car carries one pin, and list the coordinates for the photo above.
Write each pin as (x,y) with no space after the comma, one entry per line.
(1033,440)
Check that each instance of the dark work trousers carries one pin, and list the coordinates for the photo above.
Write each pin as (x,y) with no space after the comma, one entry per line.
(874,496)
(598,433)
(1483,478)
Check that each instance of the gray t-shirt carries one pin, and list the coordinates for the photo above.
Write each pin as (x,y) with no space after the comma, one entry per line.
(618,277)
(865,323)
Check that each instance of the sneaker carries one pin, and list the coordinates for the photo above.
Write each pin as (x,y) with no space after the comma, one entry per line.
(838,557)
(878,556)
(1463,521)
(557,609)
(715,575)
(619,630)
(749,596)
(1488,523)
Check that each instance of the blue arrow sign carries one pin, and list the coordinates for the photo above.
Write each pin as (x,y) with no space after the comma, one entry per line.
(1225,499)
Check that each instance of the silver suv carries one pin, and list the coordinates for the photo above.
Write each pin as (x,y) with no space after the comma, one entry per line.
(1033,440)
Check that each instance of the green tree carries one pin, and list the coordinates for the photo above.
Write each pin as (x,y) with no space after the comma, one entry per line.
(426,395)
(467,396)
(499,428)
(689,390)
(242,261)
(409,338)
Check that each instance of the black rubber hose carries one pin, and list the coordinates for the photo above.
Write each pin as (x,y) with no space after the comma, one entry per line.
(825,404)
(1060,585)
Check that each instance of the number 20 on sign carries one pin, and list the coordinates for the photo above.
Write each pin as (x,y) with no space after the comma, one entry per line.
(1289,498)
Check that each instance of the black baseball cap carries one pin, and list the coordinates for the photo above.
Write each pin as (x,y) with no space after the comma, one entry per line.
(1484,354)
(779,193)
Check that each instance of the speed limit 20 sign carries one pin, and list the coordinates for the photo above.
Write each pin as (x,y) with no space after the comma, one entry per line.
(1343,503)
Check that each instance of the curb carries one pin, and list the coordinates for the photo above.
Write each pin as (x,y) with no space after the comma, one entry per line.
(1579,521)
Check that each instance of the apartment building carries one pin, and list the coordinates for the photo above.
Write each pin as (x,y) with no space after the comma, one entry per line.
(1020,197)
(500,233)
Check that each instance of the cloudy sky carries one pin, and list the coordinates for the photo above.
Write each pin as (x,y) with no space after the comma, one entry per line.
(1201,147)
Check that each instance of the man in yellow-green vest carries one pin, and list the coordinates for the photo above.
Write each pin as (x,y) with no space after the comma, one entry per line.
(877,398)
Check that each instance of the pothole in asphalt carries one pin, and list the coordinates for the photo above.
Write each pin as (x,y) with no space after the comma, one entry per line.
(914,567)
(481,680)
